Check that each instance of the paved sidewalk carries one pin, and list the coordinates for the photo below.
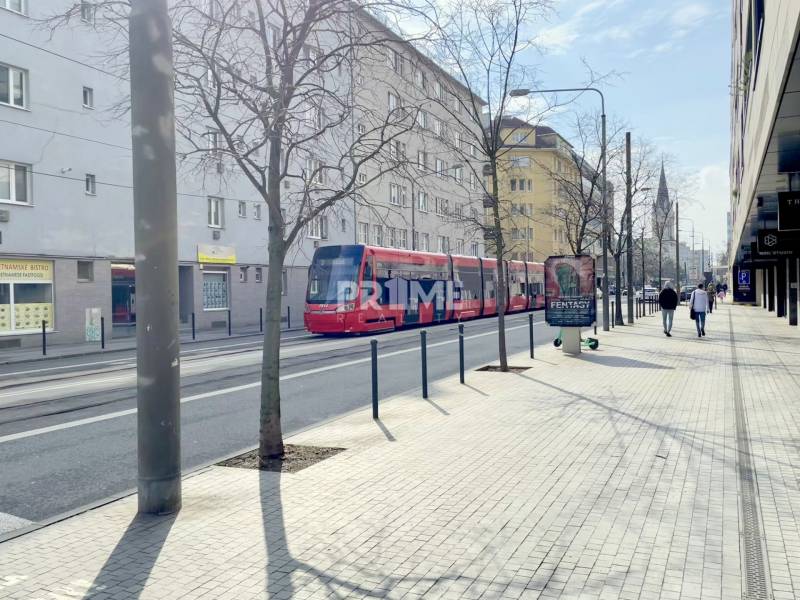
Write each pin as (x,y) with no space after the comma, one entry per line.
(619,474)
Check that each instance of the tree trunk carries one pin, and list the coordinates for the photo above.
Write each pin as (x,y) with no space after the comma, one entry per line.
(659,264)
(618,278)
(501,277)
(270,438)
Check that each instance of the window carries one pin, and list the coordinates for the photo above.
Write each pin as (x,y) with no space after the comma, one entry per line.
(440,167)
(259,274)
(530,185)
(513,185)
(456,104)
(242,274)
(215,212)
(257,212)
(422,201)
(88,97)
(422,159)
(85,271)
(392,231)
(242,209)
(215,290)
(459,246)
(318,228)
(90,184)
(212,140)
(458,174)
(437,126)
(442,206)
(397,62)
(87,11)
(377,235)
(362,176)
(473,181)
(415,240)
(363,233)
(444,244)
(458,209)
(394,194)
(422,119)
(15,183)
(421,79)
(362,129)
(473,249)
(425,242)
(13,86)
(394,102)
(20,6)
(439,90)
(519,137)
(284,282)
(315,171)
(403,239)
(520,161)
(397,149)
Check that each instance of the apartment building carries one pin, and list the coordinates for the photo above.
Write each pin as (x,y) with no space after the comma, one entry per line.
(66,212)
(765,156)
(532,176)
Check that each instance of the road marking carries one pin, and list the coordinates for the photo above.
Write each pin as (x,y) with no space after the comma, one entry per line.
(130,411)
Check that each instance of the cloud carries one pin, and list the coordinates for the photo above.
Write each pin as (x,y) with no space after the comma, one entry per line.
(689,16)
(559,38)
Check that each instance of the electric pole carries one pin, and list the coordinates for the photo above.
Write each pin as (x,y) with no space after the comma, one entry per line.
(155,214)
(629,224)
(677,251)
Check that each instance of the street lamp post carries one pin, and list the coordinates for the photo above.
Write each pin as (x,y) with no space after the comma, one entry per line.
(604,157)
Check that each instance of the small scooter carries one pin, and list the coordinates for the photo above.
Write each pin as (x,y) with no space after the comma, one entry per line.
(589,342)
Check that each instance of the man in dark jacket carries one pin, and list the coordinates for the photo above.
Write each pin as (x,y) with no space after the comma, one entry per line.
(668,300)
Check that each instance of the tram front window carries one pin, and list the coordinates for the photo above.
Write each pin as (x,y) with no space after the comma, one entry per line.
(333,276)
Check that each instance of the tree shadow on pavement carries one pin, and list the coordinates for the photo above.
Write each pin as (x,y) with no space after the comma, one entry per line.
(619,361)
(130,563)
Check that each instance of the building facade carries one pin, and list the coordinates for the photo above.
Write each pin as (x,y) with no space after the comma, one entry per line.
(66,210)
(765,155)
(537,173)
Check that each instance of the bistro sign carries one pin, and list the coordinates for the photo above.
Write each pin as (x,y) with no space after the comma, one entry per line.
(12,269)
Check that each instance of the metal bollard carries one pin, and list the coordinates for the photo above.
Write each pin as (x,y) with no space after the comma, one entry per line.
(423,346)
(193,330)
(461,352)
(44,338)
(288,317)
(261,320)
(374,353)
(613,315)
(229,322)
(102,333)
(530,332)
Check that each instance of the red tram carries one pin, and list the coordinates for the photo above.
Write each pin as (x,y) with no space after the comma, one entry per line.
(360,289)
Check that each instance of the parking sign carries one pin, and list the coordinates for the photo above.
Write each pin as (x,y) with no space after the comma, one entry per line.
(744,277)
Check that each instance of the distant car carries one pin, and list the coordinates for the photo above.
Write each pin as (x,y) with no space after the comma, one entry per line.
(686,291)
(650,293)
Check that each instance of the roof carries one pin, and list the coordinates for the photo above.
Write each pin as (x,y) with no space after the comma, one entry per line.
(544,137)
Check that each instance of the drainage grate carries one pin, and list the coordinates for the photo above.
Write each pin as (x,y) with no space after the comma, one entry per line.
(755,566)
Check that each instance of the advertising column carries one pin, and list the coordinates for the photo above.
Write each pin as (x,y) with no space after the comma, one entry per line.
(26,295)
(570,302)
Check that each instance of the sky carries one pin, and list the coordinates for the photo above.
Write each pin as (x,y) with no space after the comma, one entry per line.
(671,60)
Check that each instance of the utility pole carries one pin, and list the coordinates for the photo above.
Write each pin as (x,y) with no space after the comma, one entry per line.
(605,216)
(677,251)
(643,275)
(629,224)
(155,213)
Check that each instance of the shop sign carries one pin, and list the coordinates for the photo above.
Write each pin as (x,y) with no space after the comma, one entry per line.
(216,255)
(12,269)
(789,211)
(775,244)
(569,284)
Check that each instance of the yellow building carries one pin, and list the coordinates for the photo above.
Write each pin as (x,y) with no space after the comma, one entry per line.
(533,171)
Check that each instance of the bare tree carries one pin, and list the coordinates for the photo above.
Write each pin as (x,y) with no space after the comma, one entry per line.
(480,42)
(265,94)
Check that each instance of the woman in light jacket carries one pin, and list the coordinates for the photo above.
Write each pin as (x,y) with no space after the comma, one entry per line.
(698,302)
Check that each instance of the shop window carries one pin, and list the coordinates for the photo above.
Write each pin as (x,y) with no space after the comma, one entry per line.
(85,271)
(215,290)
(26,297)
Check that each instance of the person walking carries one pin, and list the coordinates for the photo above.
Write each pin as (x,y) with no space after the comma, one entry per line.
(668,301)
(710,292)
(698,306)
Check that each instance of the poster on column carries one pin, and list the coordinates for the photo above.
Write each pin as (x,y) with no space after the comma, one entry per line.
(569,288)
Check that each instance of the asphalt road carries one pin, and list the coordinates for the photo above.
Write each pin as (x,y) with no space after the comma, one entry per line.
(68,426)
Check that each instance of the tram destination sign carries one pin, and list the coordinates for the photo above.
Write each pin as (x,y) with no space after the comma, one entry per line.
(569,287)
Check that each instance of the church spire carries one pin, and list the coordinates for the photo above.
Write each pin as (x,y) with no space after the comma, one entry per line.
(662,199)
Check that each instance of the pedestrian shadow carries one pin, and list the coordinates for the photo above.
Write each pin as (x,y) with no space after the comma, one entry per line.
(385,430)
(130,563)
(620,361)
